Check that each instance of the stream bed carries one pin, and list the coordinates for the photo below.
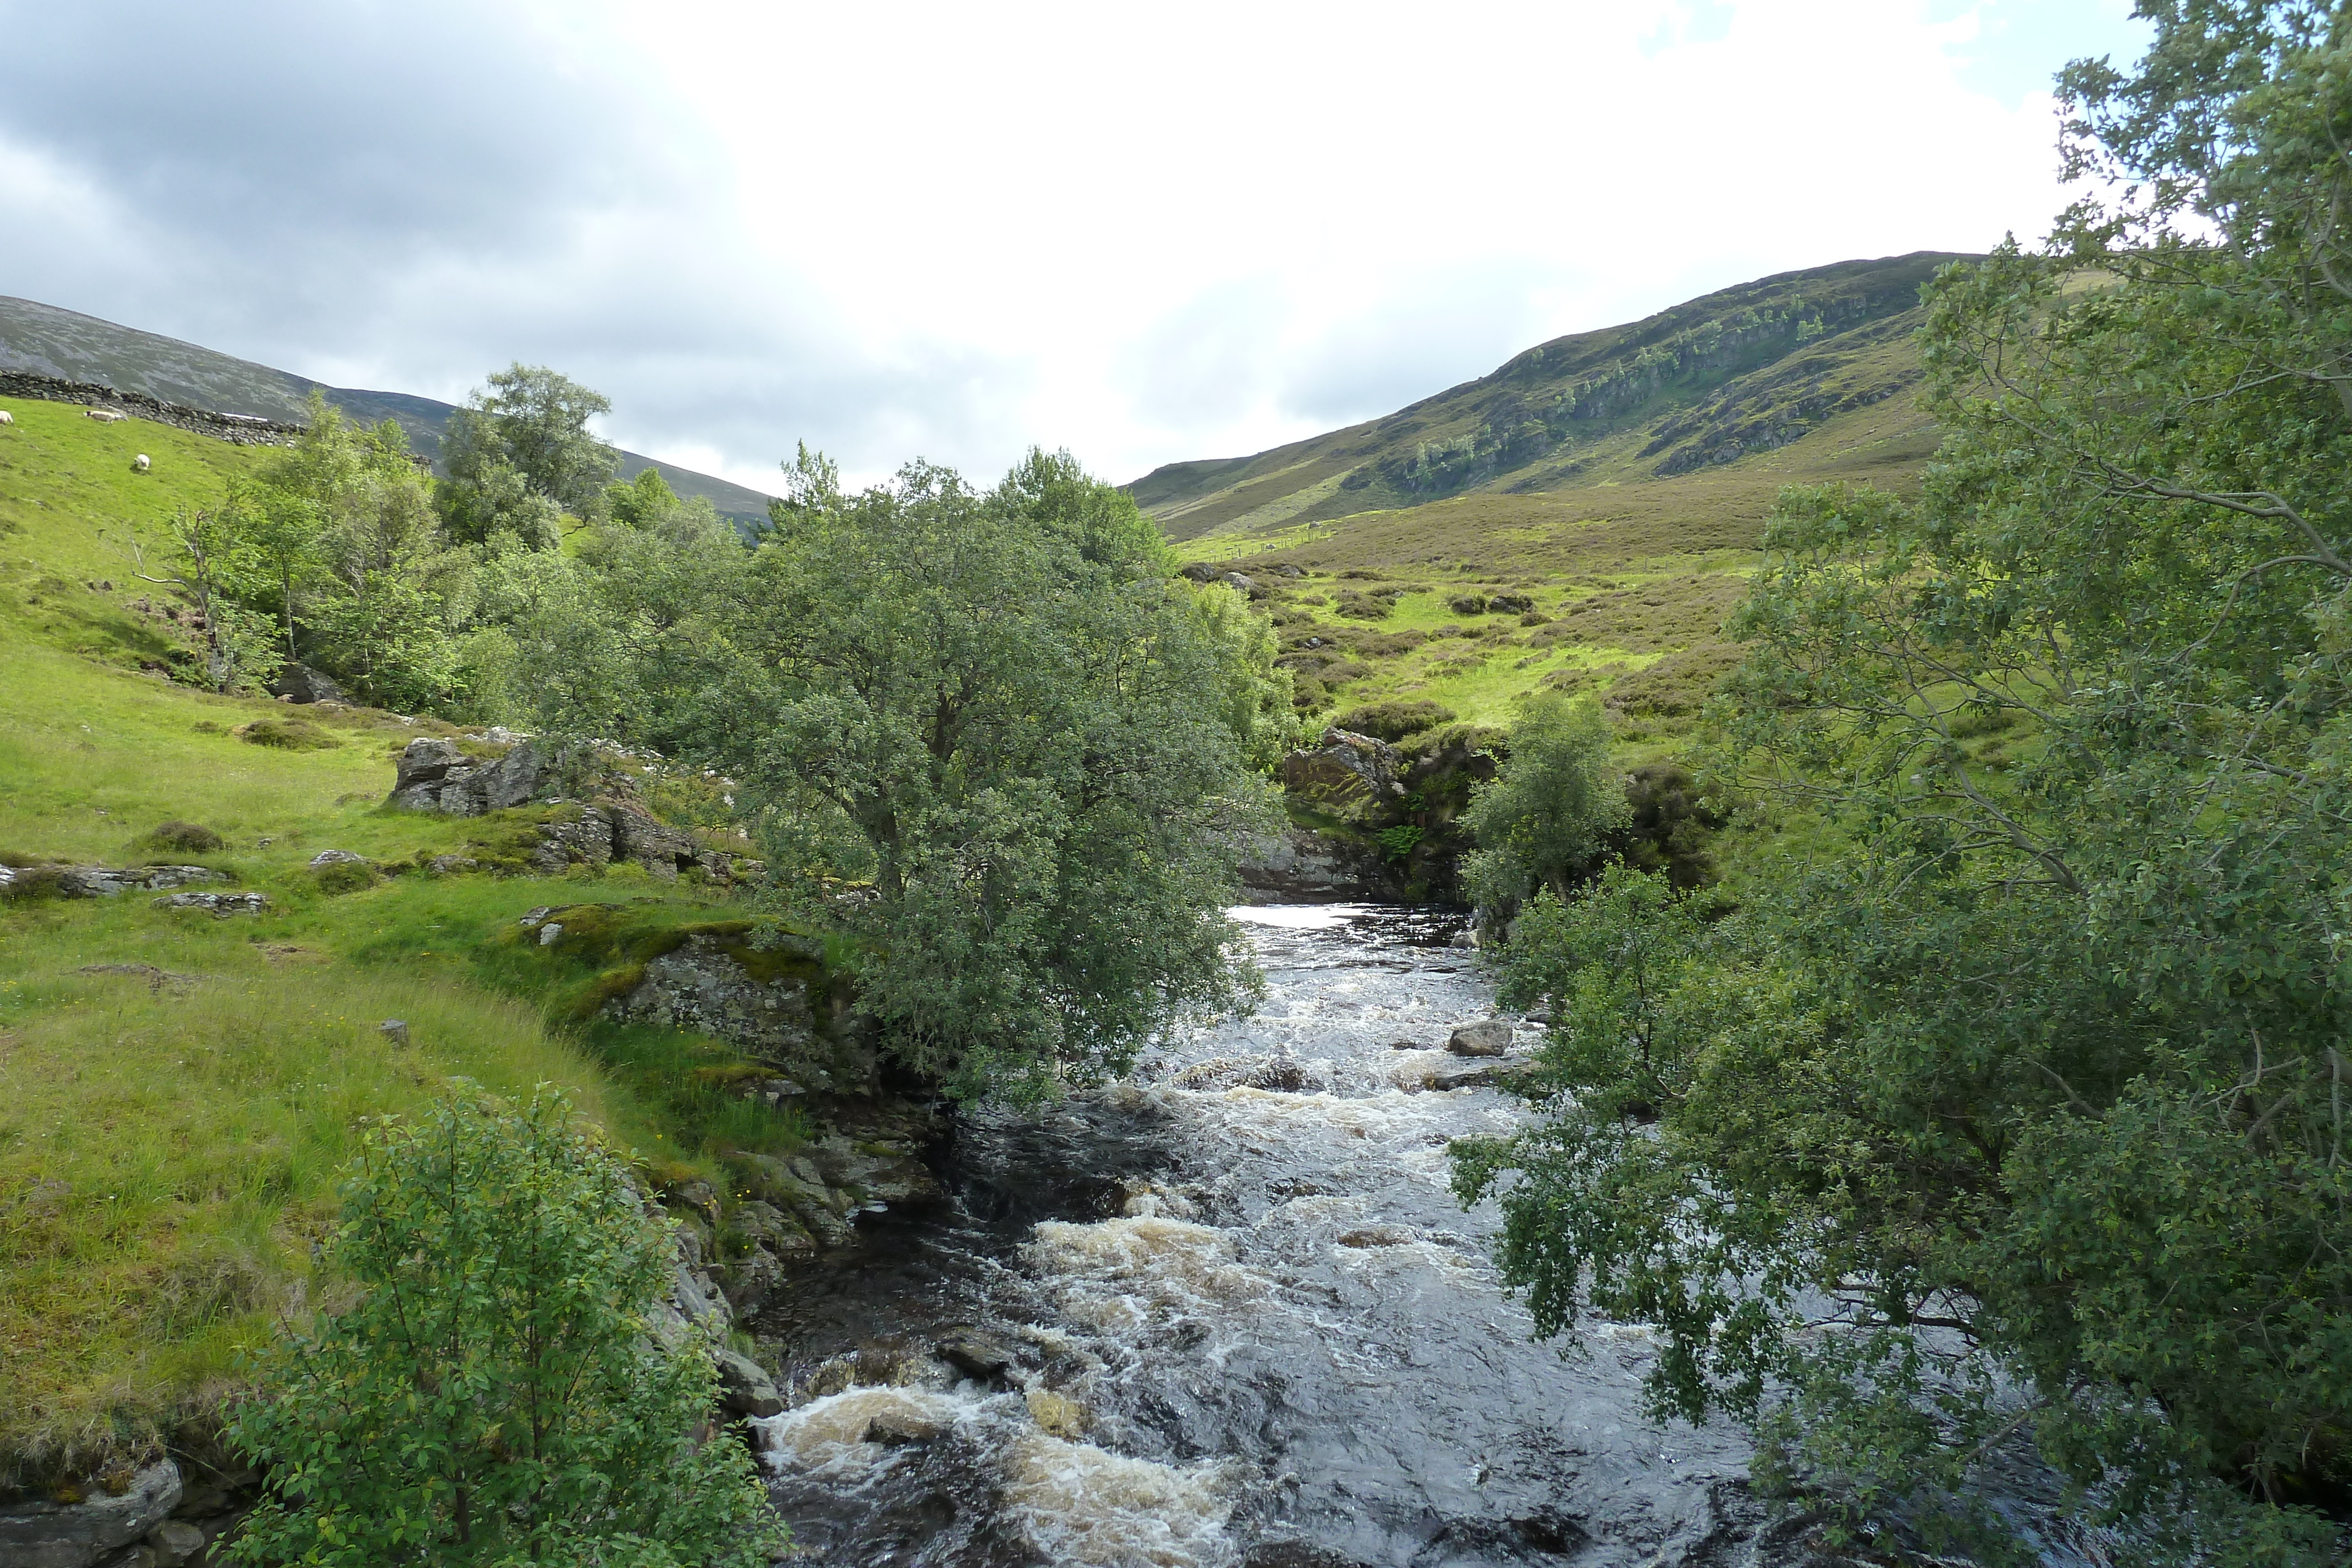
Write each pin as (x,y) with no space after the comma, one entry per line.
(1228,1313)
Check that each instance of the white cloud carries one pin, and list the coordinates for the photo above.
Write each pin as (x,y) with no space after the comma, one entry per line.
(952,230)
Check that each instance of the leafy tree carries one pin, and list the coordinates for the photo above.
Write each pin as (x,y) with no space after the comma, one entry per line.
(2034,1076)
(519,454)
(1546,818)
(209,555)
(991,713)
(495,1392)
(989,739)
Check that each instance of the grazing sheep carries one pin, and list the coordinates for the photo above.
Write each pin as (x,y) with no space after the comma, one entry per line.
(106,415)
(139,465)
(6,418)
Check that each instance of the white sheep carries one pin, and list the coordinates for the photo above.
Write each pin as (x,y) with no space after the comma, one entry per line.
(103,415)
(139,465)
(6,418)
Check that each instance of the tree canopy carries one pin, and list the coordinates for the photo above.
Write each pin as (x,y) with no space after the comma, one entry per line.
(986,737)
(2017,1106)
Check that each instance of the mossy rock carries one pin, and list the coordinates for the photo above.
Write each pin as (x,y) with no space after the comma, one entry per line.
(338,877)
(285,734)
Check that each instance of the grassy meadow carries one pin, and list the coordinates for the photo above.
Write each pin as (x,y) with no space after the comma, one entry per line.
(178,1092)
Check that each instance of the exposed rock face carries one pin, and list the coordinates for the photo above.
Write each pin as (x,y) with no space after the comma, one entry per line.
(623,831)
(703,987)
(300,684)
(1278,1074)
(79,1535)
(743,1389)
(1303,866)
(1346,774)
(435,775)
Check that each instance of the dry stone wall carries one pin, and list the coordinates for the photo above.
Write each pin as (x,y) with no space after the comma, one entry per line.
(240,429)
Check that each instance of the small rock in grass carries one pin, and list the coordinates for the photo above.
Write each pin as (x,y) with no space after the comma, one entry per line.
(536,916)
(393,1030)
(550,933)
(221,903)
(336,857)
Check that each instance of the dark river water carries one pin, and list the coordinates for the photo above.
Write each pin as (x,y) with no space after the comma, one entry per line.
(1227,1312)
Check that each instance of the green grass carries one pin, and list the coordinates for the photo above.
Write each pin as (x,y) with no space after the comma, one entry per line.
(169,1150)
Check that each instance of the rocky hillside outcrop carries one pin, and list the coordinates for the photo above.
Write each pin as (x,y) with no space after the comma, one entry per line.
(1371,821)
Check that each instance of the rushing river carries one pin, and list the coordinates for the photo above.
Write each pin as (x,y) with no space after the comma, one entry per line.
(1228,1312)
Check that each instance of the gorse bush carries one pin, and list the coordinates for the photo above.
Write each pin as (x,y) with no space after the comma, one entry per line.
(497,1392)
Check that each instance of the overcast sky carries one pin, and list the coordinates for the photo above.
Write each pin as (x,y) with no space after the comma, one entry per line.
(1143,232)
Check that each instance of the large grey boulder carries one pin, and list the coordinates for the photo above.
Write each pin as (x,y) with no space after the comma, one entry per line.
(1487,1037)
(77,1535)
(300,684)
(435,774)
(1358,777)
(105,881)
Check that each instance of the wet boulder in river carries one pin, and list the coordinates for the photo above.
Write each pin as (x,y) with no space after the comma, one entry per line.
(1487,1037)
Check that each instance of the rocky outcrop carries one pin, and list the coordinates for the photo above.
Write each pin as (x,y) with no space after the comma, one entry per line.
(437,774)
(1300,866)
(98,1528)
(606,832)
(703,987)
(1486,1037)
(301,684)
(1348,775)
(105,881)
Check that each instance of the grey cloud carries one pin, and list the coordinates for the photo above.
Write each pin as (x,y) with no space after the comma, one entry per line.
(406,197)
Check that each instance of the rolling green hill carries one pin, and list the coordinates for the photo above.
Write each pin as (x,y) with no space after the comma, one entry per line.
(1615,482)
(48,342)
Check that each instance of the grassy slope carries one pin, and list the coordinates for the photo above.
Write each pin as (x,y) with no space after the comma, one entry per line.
(168,1150)
(47,341)
(1633,532)
(1636,576)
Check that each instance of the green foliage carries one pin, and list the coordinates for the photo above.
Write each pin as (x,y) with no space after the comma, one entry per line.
(496,1393)
(988,742)
(988,709)
(2041,1085)
(519,454)
(1546,818)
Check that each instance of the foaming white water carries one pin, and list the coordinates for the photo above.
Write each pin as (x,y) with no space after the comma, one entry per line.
(845,1435)
(1298,916)
(1127,1273)
(1078,1504)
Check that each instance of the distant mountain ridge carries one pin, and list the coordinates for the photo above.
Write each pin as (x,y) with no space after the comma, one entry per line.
(1745,369)
(50,341)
